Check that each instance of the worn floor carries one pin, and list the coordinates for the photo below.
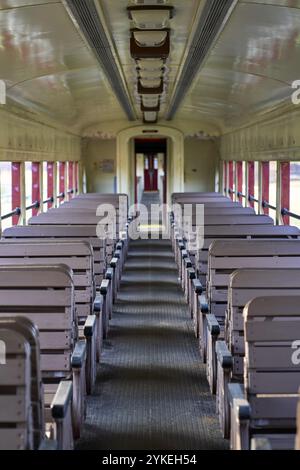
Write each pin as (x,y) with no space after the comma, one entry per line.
(151,390)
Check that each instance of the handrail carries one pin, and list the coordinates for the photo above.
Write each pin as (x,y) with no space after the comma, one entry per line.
(50,199)
(16,211)
(34,205)
(265,204)
(61,196)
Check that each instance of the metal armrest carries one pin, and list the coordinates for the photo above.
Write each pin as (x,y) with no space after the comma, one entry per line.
(260,443)
(48,444)
(224,356)
(104,286)
(97,306)
(204,304)
(184,254)
(62,400)
(119,245)
(198,288)
(117,254)
(79,355)
(213,325)
(191,273)
(114,262)
(109,274)
(187,262)
(235,391)
(90,326)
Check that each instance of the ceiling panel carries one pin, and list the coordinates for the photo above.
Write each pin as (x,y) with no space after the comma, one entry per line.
(48,67)
(251,67)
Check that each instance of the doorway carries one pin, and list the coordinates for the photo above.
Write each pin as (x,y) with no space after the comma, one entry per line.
(150,168)
(150,173)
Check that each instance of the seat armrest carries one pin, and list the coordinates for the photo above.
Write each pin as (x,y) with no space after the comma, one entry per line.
(48,444)
(260,443)
(79,355)
(114,262)
(109,274)
(119,245)
(117,254)
(198,288)
(235,391)
(187,262)
(89,326)
(104,286)
(204,304)
(224,356)
(191,273)
(184,254)
(62,399)
(97,306)
(213,325)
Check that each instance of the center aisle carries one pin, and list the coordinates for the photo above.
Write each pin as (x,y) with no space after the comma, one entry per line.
(151,391)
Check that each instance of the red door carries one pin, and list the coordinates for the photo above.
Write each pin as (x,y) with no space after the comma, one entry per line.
(151,173)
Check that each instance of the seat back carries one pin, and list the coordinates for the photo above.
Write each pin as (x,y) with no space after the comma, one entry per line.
(272,368)
(244,285)
(226,256)
(77,255)
(21,397)
(45,295)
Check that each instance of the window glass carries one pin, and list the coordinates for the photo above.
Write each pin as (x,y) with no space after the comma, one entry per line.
(272,188)
(6,192)
(28,188)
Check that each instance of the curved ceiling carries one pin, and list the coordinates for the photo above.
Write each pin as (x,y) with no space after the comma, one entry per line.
(49,67)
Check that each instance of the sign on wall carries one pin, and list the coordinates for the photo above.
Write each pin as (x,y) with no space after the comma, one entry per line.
(106,166)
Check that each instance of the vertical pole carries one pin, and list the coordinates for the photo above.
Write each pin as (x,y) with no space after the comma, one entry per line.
(265,172)
(250,182)
(285,190)
(278,194)
(41,177)
(35,171)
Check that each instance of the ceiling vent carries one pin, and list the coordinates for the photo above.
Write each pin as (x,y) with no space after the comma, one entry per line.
(150,64)
(150,16)
(210,25)
(150,2)
(85,15)
(150,74)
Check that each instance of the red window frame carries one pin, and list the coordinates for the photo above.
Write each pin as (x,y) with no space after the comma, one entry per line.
(251,182)
(16,189)
(265,181)
(285,189)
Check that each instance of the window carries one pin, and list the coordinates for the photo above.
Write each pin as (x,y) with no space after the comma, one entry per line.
(272,187)
(256,186)
(6,192)
(231,177)
(61,167)
(28,188)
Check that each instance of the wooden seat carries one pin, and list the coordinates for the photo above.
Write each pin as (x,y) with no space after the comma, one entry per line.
(266,406)
(77,255)
(22,419)
(45,294)
(224,258)
(244,285)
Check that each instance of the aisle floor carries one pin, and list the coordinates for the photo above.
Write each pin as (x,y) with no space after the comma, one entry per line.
(151,390)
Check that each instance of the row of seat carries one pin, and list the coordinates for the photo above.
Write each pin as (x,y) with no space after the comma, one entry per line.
(58,282)
(243,291)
